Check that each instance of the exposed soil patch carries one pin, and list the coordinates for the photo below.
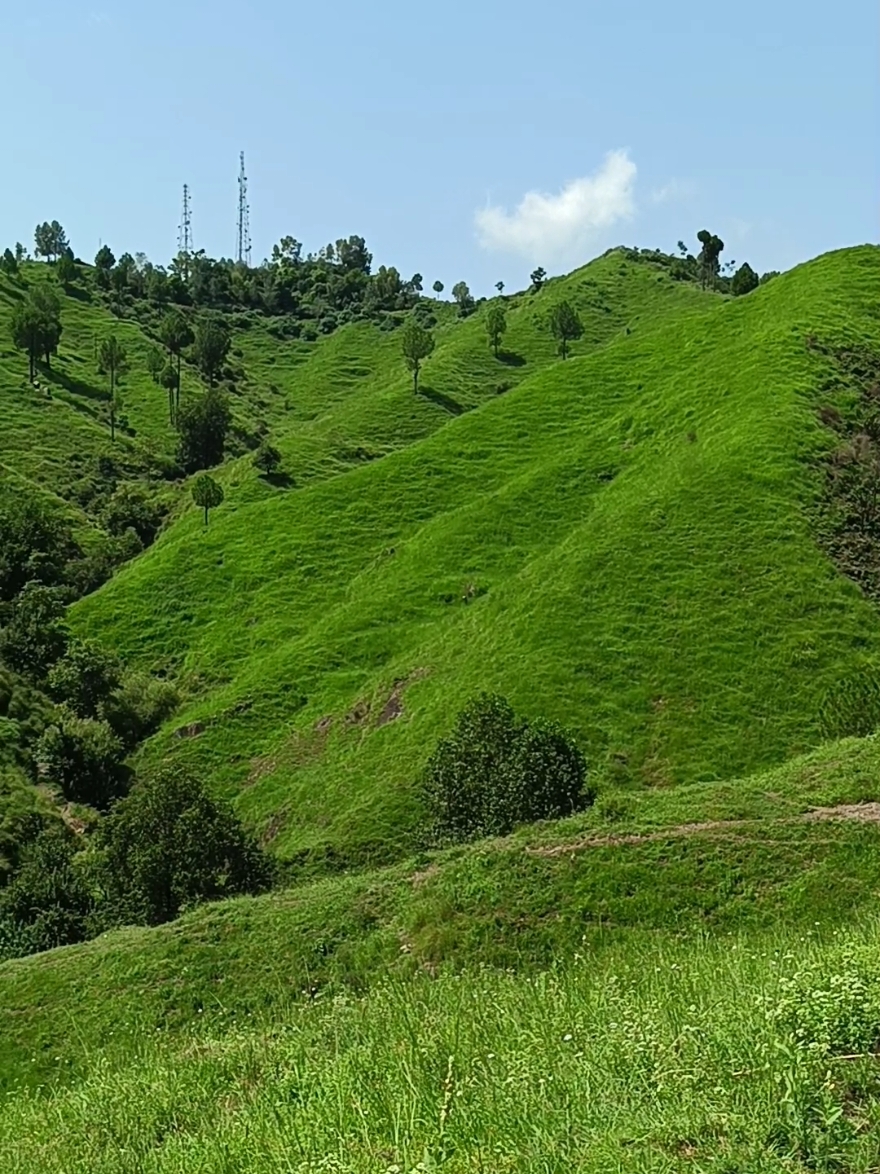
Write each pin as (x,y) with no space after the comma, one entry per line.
(863,812)
(191,731)
(393,707)
(358,714)
(276,824)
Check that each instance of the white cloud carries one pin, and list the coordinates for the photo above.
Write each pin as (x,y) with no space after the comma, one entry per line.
(675,189)
(551,228)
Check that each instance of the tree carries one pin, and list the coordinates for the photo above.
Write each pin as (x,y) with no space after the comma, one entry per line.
(132,508)
(537,278)
(206,493)
(415,283)
(48,902)
(462,295)
(66,269)
(85,677)
(35,637)
(416,343)
(565,325)
(437,287)
(169,845)
(36,326)
(496,770)
(267,458)
(35,543)
(49,308)
(50,240)
(112,361)
(708,261)
(8,263)
(83,757)
(499,285)
(496,324)
(104,259)
(202,426)
(175,334)
(744,280)
(210,347)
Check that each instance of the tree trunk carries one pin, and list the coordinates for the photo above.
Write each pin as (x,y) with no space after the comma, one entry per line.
(178,383)
(416,381)
(206,515)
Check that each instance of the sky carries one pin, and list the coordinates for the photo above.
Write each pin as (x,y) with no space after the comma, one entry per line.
(465,140)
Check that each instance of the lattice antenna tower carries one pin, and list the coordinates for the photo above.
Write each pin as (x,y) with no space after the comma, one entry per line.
(244,219)
(184,233)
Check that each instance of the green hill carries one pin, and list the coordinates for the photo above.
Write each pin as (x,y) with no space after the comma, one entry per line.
(625,542)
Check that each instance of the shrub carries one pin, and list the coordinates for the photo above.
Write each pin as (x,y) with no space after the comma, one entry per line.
(496,770)
(169,846)
(138,707)
(83,757)
(85,677)
(36,635)
(267,458)
(132,508)
(744,280)
(47,903)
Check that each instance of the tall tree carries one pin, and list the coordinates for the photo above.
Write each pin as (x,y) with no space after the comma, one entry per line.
(496,324)
(203,425)
(417,343)
(210,347)
(113,361)
(565,325)
(537,277)
(36,326)
(175,334)
(744,280)
(437,287)
(206,493)
(48,304)
(66,269)
(708,261)
(499,285)
(8,263)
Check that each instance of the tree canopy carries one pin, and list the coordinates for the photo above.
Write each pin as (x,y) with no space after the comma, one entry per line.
(565,325)
(207,493)
(417,343)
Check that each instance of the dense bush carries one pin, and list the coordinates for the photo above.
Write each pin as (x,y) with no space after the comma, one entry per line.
(496,770)
(132,508)
(35,637)
(47,903)
(85,677)
(138,707)
(169,845)
(35,543)
(83,757)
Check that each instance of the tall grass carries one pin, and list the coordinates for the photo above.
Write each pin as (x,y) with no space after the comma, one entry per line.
(740,1055)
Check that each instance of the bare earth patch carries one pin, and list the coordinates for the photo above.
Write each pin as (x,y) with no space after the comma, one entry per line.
(863,812)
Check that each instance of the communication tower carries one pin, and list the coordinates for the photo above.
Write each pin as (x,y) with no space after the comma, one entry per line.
(184,233)
(243,252)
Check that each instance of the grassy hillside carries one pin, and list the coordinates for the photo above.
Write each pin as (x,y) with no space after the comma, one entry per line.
(623,541)
(671,979)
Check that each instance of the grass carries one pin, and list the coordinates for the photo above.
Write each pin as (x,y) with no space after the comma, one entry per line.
(623,542)
(742,1055)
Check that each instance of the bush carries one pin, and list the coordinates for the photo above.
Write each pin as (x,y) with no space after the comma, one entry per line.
(36,635)
(138,707)
(85,678)
(132,508)
(83,757)
(169,846)
(267,458)
(47,903)
(495,771)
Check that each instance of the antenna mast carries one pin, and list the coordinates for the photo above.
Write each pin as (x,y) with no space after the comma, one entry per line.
(244,219)
(184,233)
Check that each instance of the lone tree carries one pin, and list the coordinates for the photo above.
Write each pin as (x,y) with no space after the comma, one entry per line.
(437,287)
(66,269)
(211,347)
(50,240)
(499,285)
(744,280)
(112,362)
(462,294)
(708,261)
(175,334)
(537,277)
(206,493)
(565,325)
(267,458)
(8,263)
(104,262)
(496,324)
(417,343)
(202,426)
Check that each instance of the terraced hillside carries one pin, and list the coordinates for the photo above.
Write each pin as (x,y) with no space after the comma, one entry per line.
(623,541)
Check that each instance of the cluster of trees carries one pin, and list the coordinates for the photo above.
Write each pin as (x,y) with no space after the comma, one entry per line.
(36,326)
(497,770)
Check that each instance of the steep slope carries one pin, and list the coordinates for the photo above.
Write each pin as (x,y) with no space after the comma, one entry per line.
(623,541)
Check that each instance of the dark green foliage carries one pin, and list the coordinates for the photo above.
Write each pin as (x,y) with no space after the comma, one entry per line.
(36,326)
(35,637)
(206,493)
(50,240)
(708,262)
(65,269)
(85,677)
(8,263)
(112,362)
(169,846)
(437,287)
(744,280)
(495,771)
(131,507)
(137,708)
(565,325)
(768,276)
(538,277)
(47,903)
(210,347)
(24,713)
(416,344)
(462,294)
(174,334)
(496,324)
(35,543)
(267,458)
(83,757)
(203,424)
(104,259)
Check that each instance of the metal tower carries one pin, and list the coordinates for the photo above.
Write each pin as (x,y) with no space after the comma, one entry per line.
(184,233)
(243,252)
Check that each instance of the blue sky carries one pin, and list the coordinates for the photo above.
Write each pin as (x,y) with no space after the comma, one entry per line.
(464,140)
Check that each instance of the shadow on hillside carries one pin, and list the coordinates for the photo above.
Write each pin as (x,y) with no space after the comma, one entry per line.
(279,480)
(442,400)
(73,385)
(80,294)
(510,359)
